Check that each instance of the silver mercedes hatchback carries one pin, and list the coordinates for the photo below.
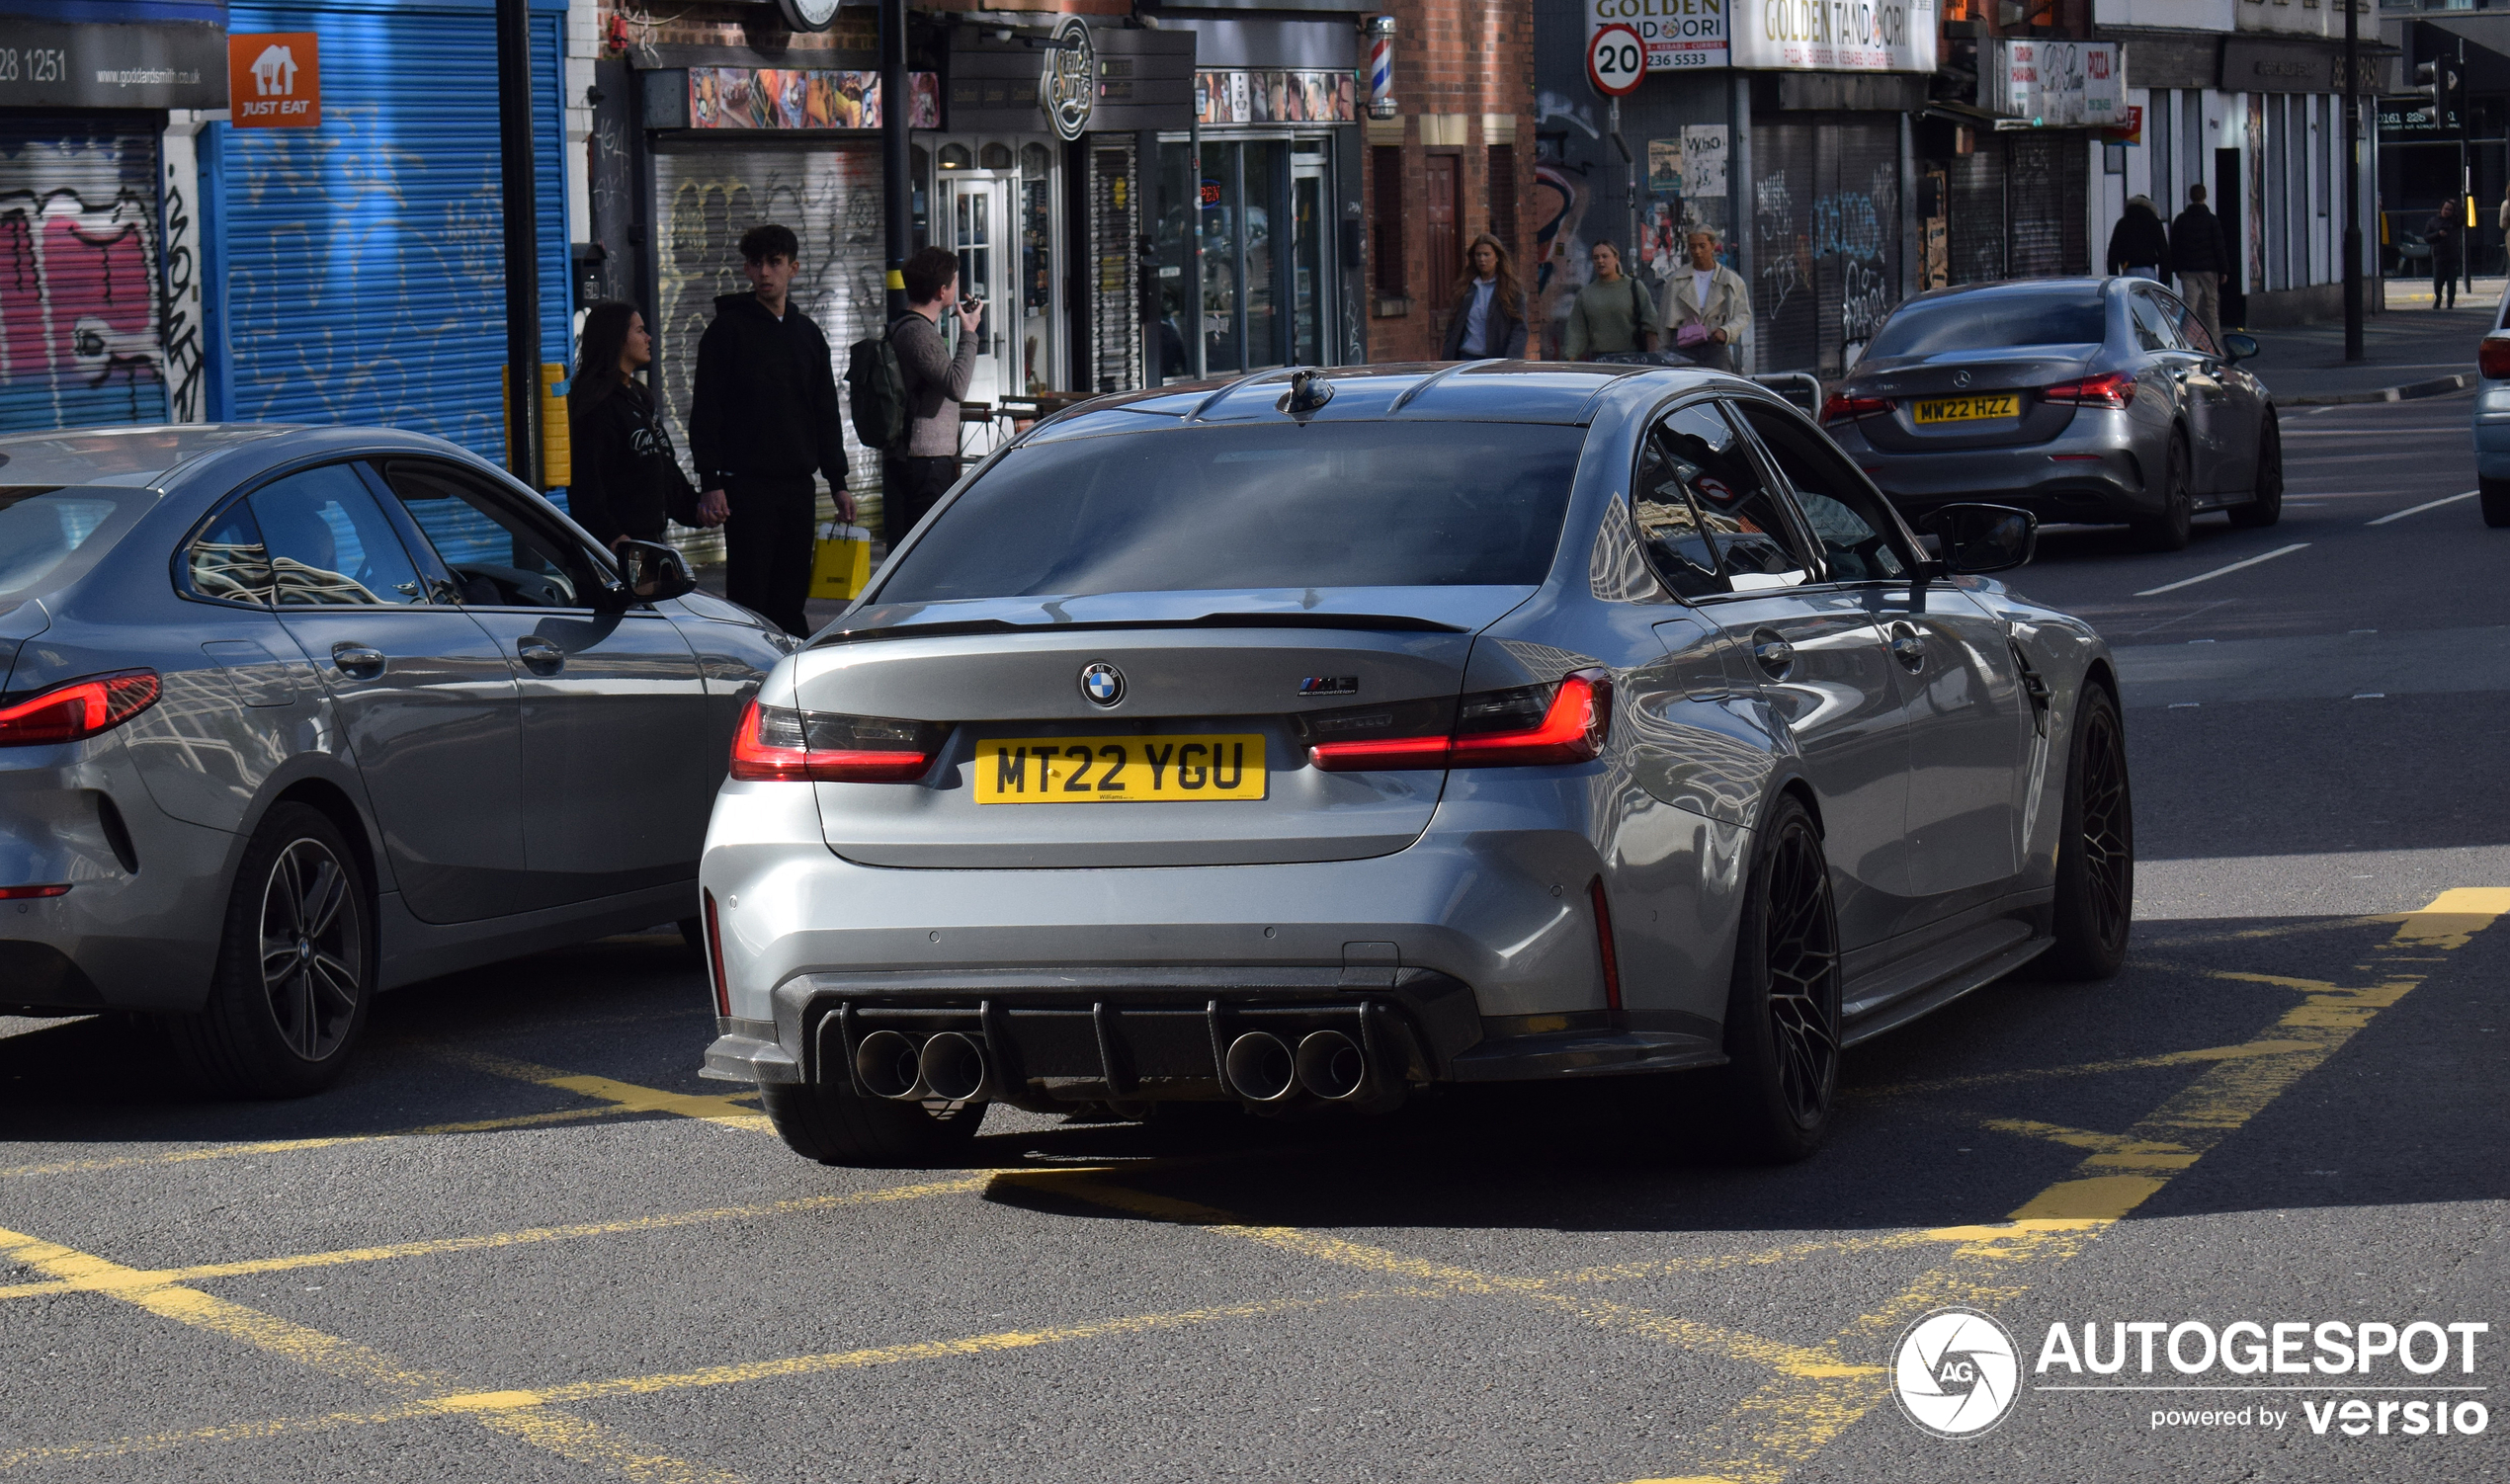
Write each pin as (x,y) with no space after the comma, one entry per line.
(1322,738)
(292,716)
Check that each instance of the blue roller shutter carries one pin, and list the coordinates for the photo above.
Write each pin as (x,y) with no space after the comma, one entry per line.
(364,258)
(80,338)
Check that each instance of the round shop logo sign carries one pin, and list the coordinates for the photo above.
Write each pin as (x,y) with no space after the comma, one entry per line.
(1957,1373)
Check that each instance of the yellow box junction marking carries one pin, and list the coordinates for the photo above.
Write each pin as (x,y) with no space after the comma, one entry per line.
(1794,1418)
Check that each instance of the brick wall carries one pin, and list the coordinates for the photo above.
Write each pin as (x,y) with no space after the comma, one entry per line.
(1463,77)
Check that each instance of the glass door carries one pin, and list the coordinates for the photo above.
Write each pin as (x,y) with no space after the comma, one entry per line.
(1311,283)
(977,223)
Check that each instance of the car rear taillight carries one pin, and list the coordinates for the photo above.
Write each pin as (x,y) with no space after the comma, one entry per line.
(2108,389)
(1841,405)
(79,709)
(778,744)
(33,894)
(1522,726)
(715,958)
(2492,357)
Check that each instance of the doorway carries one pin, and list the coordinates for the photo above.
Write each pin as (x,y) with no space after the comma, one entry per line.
(977,223)
(1311,281)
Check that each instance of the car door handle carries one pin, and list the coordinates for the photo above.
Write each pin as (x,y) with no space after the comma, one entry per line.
(357,661)
(1908,648)
(540,656)
(1772,654)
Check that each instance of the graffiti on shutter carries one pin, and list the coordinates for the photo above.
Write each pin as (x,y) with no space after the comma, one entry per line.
(1826,239)
(829,194)
(1786,321)
(79,336)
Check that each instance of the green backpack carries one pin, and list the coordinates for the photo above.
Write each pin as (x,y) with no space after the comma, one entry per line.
(877,389)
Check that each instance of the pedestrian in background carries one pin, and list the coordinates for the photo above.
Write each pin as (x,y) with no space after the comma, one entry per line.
(2140,244)
(1707,305)
(2445,235)
(913,480)
(1489,319)
(2199,259)
(627,480)
(1612,314)
(764,417)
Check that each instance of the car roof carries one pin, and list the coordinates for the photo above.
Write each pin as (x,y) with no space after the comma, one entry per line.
(1490,391)
(2028,287)
(137,458)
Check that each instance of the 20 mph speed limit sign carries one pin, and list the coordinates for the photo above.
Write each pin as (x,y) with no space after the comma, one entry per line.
(1615,60)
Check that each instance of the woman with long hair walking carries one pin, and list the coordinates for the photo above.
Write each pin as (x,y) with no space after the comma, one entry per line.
(627,480)
(1489,318)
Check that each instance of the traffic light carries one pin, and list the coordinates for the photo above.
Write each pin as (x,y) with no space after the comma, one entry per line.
(2437,83)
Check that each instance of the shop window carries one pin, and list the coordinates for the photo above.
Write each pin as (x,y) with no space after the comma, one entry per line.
(997,157)
(957,158)
(920,174)
(1385,167)
(1503,194)
(1444,258)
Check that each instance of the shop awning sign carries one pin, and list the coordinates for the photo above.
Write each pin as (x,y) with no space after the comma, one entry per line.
(2054,84)
(1067,88)
(1834,36)
(1677,34)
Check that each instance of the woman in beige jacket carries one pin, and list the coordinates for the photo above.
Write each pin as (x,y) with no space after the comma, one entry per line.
(1707,306)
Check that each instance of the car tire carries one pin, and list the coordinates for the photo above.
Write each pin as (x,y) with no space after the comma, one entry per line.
(2094,910)
(2169,531)
(834,1127)
(2267,506)
(2494,496)
(1782,1011)
(294,973)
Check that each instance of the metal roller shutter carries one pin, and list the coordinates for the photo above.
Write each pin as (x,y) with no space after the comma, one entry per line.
(705,196)
(1786,320)
(2048,180)
(1115,221)
(366,276)
(80,341)
(1976,229)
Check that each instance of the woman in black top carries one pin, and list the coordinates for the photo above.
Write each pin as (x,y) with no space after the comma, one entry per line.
(626,478)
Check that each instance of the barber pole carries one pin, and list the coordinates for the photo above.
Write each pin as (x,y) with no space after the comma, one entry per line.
(1380,29)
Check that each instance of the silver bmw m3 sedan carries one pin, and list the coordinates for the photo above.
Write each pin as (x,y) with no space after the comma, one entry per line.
(292,716)
(1324,738)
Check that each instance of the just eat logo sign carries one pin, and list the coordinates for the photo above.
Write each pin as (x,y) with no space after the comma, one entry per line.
(274,80)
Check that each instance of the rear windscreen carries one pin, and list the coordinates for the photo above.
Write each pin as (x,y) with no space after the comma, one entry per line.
(1278,505)
(1992,321)
(49,536)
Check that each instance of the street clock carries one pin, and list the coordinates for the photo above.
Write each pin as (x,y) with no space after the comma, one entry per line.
(809,14)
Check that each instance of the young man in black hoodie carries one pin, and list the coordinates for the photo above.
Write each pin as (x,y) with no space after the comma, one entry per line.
(765,417)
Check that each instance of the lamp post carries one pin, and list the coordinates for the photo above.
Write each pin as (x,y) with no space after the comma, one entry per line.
(522,240)
(2352,183)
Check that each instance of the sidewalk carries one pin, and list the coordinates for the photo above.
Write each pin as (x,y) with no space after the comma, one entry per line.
(2408,350)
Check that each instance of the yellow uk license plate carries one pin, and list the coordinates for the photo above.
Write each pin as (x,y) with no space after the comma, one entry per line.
(1969,410)
(1118,769)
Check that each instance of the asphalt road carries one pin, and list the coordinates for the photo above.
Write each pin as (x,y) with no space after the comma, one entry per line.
(523,1241)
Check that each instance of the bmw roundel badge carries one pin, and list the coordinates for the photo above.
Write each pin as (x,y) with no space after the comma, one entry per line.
(1102,683)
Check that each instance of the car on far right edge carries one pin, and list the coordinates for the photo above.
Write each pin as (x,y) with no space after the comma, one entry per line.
(2086,401)
(2492,418)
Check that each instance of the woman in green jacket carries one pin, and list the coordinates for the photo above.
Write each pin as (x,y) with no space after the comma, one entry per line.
(1611,313)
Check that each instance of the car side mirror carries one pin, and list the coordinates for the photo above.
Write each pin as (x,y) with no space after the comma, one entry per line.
(1984,538)
(2238,347)
(648,572)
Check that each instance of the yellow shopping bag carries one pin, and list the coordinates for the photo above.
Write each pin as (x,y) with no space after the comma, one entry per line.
(842,562)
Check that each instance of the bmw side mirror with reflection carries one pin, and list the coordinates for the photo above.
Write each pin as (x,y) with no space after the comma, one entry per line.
(651,572)
(2240,348)
(1984,538)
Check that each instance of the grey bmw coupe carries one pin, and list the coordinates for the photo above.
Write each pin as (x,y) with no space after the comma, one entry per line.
(292,716)
(2084,400)
(1326,737)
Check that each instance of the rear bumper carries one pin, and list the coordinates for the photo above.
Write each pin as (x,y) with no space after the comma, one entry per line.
(1470,955)
(2492,431)
(2091,471)
(119,939)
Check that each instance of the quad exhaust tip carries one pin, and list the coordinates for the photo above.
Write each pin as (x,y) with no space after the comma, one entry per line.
(953,1067)
(1261,1068)
(889,1066)
(1331,1066)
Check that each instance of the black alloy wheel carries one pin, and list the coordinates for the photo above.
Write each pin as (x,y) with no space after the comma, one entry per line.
(2170,529)
(2096,845)
(1782,1025)
(294,971)
(2266,507)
